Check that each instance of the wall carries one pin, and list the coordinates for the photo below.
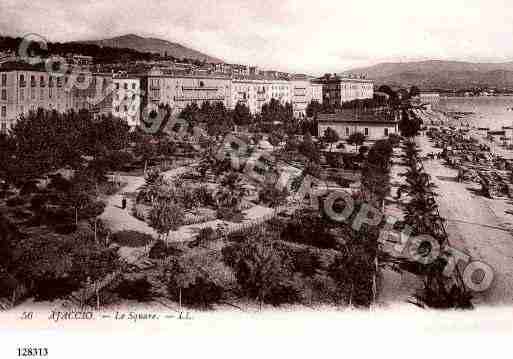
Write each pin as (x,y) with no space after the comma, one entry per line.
(376,131)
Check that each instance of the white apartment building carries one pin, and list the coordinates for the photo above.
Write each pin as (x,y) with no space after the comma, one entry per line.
(127,98)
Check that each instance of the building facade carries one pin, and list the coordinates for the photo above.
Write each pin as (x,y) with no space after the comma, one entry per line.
(127,98)
(337,90)
(375,124)
(304,91)
(24,88)
(181,90)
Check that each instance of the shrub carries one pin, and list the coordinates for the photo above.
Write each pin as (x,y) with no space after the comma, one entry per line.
(38,201)
(66,228)
(15,201)
(132,239)
(206,234)
(201,279)
(140,211)
(93,209)
(29,188)
(161,250)
(135,289)
(311,229)
(203,196)
(229,214)
(272,196)
(262,272)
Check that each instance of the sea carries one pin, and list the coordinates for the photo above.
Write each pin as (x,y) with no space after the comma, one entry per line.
(493,112)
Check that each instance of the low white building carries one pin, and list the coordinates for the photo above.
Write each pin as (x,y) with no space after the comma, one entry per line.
(375,125)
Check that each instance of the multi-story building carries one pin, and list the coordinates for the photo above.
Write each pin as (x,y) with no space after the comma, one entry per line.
(24,87)
(180,90)
(127,98)
(253,93)
(304,91)
(337,90)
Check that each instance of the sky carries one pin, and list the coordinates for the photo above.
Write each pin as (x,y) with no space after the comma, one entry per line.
(311,37)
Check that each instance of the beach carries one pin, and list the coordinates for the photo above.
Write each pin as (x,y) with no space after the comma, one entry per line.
(477,225)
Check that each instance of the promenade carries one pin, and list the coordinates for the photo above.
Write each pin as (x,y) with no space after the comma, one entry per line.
(476,225)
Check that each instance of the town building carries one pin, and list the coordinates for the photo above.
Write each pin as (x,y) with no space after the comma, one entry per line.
(127,98)
(337,89)
(179,90)
(79,60)
(428,97)
(24,88)
(375,124)
(304,91)
(256,91)
(253,93)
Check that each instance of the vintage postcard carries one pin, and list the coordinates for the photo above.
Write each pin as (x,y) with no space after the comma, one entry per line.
(280,178)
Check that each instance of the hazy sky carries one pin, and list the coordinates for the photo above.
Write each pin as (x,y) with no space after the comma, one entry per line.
(302,36)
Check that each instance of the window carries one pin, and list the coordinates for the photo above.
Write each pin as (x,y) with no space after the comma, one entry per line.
(117,86)
(126,108)
(22,81)
(386,131)
(133,86)
(4,94)
(41,81)
(4,111)
(347,131)
(126,86)
(4,79)
(117,108)
(22,94)
(366,132)
(32,81)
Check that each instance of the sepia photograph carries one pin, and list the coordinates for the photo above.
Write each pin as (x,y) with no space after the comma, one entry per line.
(263,174)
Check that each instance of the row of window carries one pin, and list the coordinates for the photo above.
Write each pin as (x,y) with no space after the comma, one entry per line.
(366,131)
(125,86)
(33,94)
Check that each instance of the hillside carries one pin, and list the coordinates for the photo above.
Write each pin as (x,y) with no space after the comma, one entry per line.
(441,74)
(148,44)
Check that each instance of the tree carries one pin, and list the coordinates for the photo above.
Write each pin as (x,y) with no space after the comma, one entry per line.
(388,90)
(313,109)
(356,138)
(409,125)
(166,216)
(258,267)
(308,148)
(241,115)
(330,136)
(414,91)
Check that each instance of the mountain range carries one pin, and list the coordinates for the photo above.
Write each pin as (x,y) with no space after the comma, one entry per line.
(438,74)
(149,44)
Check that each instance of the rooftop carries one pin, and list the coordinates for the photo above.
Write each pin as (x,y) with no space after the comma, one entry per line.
(352,116)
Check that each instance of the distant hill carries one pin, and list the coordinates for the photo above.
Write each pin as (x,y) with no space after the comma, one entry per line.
(148,44)
(441,74)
